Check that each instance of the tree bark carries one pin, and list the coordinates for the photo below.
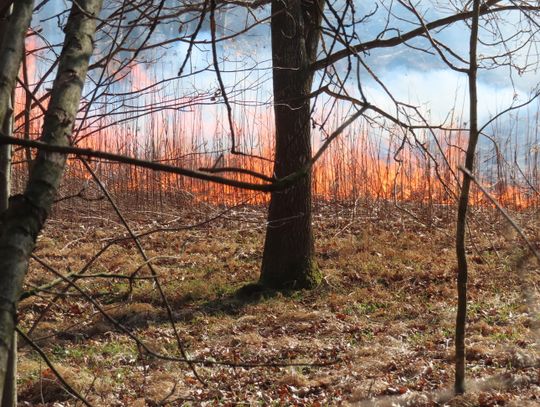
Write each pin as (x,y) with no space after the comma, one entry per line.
(288,259)
(23,220)
(461,317)
(6,121)
(9,398)
(11,51)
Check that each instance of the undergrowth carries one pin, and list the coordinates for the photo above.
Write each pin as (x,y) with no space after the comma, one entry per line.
(382,320)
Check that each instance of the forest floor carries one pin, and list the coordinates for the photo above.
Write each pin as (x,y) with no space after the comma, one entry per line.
(378,331)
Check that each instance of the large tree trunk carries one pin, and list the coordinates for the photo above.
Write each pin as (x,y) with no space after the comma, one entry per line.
(23,220)
(288,259)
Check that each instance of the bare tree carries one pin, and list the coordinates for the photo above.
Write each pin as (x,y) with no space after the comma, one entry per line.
(24,218)
(323,43)
(288,259)
(9,398)
(318,59)
(463,203)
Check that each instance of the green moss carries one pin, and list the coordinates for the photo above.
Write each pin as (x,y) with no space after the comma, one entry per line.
(298,277)
(364,308)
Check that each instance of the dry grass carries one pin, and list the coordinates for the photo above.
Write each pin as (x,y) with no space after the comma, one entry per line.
(384,313)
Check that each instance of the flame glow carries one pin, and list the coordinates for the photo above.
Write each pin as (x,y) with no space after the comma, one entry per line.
(362,163)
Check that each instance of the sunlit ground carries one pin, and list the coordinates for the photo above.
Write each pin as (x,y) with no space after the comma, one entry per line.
(381,323)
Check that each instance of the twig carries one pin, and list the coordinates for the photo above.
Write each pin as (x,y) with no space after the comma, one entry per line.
(88,152)
(96,256)
(216,170)
(150,267)
(218,75)
(198,361)
(503,211)
(67,386)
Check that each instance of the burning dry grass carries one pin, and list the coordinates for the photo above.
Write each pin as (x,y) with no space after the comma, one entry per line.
(384,314)
(154,119)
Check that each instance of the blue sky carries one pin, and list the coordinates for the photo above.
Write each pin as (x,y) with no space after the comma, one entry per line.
(412,76)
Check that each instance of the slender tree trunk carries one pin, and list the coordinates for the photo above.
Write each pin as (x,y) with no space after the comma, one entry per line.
(288,259)
(461,317)
(6,122)
(9,398)
(5,164)
(26,214)
(11,50)
(27,111)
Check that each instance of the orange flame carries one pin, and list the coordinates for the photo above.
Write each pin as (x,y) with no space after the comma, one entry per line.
(356,165)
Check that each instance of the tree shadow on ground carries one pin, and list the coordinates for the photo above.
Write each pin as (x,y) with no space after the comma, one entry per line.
(232,303)
(133,314)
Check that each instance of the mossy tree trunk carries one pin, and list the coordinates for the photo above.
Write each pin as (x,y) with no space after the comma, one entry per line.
(288,259)
(24,218)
